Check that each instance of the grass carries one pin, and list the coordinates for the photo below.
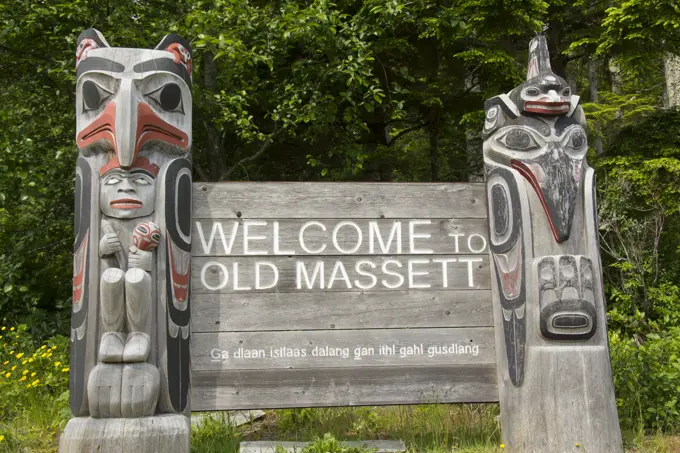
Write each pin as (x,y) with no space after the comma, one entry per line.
(441,428)
(34,410)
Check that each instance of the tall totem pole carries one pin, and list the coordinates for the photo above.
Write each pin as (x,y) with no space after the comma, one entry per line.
(554,372)
(130,332)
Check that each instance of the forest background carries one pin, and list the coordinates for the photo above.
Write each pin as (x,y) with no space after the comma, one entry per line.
(372,90)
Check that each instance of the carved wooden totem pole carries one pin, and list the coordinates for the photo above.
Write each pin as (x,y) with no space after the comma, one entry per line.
(130,332)
(554,371)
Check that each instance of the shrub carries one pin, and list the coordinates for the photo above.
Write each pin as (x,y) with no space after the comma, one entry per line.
(647,380)
(33,389)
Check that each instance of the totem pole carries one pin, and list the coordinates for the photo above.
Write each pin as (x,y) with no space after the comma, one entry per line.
(554,373)
(130,332)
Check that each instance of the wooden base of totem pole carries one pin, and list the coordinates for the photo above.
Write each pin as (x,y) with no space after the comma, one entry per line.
(158,434)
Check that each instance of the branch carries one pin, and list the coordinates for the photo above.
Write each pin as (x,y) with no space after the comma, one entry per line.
(406,131)
(265,146)
(200,171)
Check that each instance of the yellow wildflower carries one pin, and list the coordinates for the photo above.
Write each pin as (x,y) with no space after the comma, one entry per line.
(3,328)
(2,438)
(36,382)
(43,355)
(23,378)
(30,360)
(20,355)
(65,370)
(23,362)
(43,347)
(54,347)
(0,337)
(33,374)
(8,375)
(502,446)
(57,365)
(25,372)
(14,367)
(28,386)
(11,352)
(5,362)
(11,329)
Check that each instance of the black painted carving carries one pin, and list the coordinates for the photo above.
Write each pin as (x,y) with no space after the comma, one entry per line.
(508,262)
(566,298)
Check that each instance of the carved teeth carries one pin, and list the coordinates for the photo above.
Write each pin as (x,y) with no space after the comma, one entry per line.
(546,107)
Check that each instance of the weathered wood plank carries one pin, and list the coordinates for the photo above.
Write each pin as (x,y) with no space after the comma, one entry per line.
(300,200)
(342,348)
(220,237)
(340,310)
(297,274)
(233,418)
(270,389)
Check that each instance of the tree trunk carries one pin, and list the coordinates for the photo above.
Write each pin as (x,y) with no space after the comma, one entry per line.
(215,145)
(593,67)
(475,160)
(434,149)
(672,73)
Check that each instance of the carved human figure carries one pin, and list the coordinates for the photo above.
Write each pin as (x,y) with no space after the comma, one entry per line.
(553,361)
(127,200)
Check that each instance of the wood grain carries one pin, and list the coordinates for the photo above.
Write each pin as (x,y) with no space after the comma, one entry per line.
(279,388)
(301,200)
(168,433)
(340,310)
(205,346)
(450,236)
(457,273)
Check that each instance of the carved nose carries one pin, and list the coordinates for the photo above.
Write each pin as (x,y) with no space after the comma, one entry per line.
(126,187)
(553,96)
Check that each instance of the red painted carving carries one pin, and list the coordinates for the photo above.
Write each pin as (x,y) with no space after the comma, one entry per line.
(529,175)
(181,55)
(151,127)
(102,128)
(180,280)
(79,271)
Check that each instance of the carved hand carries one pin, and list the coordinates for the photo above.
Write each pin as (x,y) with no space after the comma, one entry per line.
(109,244)
(140,259)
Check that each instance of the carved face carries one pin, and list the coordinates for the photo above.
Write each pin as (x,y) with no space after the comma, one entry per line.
(130,99)
(545,94)
(128,194)
(549,153)
(146,236)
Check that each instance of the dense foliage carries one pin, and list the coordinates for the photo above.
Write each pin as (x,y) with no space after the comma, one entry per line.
(383,90)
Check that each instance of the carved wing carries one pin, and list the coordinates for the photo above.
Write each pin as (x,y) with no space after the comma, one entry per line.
(507,250)
(177,279)
(83,268)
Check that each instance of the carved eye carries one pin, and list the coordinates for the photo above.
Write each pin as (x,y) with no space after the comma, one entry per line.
(577,140)
(169,97)
(519,139)
(93,95)
(532,91)
(113,181)
(566,91)
(142,229)
(156,237)
(142,182)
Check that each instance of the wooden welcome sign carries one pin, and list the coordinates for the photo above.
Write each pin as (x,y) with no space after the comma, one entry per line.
(265,295)
(322,294)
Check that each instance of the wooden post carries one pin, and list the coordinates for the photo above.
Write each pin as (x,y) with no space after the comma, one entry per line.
(130,331)
(554,373)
